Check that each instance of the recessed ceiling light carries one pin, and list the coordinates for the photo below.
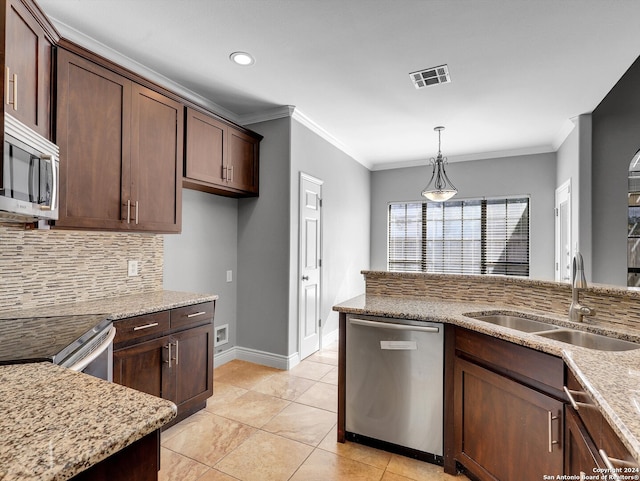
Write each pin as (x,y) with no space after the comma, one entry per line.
(242,58)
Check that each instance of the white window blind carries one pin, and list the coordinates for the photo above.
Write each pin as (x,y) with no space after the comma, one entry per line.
(482,236)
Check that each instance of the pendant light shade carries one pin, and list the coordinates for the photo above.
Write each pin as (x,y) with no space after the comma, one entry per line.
(440,188)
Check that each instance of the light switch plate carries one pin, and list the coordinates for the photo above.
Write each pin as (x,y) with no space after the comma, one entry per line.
(132,268)
(229,276)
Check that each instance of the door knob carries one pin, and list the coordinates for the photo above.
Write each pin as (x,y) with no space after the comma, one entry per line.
(305,278)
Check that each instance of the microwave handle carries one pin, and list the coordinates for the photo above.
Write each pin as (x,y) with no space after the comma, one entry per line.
(54,180)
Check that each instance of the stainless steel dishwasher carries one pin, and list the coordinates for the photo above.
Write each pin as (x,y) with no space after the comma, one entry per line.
(394,385)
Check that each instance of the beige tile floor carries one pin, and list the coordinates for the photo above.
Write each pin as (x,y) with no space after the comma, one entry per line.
(264,424)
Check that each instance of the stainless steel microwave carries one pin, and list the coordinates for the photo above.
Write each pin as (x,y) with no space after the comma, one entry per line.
(29,175)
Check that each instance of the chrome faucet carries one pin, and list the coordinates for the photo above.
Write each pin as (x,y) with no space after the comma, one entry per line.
(579,282)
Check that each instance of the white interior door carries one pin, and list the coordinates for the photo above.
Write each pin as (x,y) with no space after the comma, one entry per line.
(563,232)
(310,254)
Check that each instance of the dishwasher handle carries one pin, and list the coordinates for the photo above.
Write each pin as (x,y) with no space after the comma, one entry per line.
(389,325)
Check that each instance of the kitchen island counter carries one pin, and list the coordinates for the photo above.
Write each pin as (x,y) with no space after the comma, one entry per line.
(612,379)
(56,423)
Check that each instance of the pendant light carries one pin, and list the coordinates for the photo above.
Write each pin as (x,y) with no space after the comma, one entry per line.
(440,188)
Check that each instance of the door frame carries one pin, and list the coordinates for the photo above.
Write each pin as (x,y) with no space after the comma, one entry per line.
(562,192)
(304,176)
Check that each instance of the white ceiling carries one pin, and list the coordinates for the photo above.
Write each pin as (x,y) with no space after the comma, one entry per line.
(520,69)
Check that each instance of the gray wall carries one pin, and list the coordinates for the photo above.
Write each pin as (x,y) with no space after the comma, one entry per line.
(615,140)
(263,246)
(528,174)
(198,259)
(346,222)
(574,162)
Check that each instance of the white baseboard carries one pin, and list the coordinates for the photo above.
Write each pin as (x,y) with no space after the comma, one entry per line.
(330,337)
(258,357)
(267,358)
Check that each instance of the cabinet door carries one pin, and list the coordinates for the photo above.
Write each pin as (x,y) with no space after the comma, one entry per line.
(27,87)
(93,133)
(580,456)
(505,430)
(156,161)
(145,367)
(242,161)
(205,148)
(193,366)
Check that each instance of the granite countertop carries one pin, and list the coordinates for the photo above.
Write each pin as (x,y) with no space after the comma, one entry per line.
(56,422)
(612,379)
(117,307)
(42,334)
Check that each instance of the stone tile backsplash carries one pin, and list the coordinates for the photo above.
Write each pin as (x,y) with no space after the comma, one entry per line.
(45,267)
(615,307)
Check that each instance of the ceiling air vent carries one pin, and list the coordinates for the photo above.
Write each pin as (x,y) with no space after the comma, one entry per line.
(430,76)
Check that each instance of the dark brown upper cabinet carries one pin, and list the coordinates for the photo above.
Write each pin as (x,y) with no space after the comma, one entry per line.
(121,150)
(220,158)
(29,40)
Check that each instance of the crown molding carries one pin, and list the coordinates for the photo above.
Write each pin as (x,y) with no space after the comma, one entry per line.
(565,129)
(296,114)
(314,127)
(109,53)
(466,157)
(266,115)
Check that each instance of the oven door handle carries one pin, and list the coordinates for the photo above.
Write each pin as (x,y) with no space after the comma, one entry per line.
(84,362)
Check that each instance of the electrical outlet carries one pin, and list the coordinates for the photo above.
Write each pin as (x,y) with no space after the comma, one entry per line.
(132,268)
(221,335)
(229,276)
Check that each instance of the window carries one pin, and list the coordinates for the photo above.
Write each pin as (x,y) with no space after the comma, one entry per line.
(478,236)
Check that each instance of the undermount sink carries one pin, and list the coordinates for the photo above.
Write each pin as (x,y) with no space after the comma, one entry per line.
(558,333)
(516,322)
(590,340)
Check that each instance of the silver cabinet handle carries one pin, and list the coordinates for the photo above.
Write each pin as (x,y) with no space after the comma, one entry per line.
(168,346)
(128,211)
(13,81)
(569,394)
(146,326)
(551,418)
(224,173)
(230,179)
(177,351)
(609,463)
(305,278)
(136,212)
(196,314)
(576,404)
(390,325)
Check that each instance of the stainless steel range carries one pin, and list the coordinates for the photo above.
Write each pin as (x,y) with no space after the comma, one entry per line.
(80,342)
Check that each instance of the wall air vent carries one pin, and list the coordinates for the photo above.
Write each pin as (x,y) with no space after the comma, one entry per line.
(430,76)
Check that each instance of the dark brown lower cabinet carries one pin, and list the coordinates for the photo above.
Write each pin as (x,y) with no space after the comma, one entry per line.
(174,360)
(506,430)
(580,452)
(140,461)
(144,367)
(588,433)
(507,417)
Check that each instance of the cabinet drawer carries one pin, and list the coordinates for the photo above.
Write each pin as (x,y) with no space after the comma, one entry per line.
(192,315)
(141,326)
(519,362)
